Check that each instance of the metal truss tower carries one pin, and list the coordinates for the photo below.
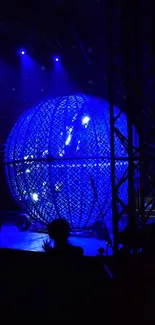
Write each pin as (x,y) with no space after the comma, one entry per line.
(131,67)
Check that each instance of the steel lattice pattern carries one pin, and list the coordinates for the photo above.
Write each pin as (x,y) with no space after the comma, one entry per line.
(58,160)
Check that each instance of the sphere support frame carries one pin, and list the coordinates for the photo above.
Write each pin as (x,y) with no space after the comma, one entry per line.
(132,77)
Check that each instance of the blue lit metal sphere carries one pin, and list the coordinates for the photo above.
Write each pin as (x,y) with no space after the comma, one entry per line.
(58,160)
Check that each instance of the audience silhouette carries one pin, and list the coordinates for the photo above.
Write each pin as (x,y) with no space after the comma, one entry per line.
(59,231)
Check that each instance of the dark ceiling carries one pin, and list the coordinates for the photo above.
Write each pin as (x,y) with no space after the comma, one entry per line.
(78,31)
(57,19)
(75,29)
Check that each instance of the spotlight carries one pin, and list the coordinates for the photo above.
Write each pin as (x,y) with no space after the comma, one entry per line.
(22,52)
(56,58)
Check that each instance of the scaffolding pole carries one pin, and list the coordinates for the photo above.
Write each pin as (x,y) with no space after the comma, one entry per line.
(137,25)
(112,128)
(129,110)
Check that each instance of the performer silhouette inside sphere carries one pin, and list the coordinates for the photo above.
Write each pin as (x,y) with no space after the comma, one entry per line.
(59,231)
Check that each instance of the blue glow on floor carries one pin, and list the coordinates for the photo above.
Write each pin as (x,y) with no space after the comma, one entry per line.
(12,237)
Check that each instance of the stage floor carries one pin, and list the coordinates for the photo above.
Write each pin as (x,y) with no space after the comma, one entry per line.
(12,237)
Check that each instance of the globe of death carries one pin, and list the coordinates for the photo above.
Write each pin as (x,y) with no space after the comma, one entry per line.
(58,161)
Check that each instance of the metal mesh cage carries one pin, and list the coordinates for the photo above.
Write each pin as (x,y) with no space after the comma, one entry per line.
(58,160)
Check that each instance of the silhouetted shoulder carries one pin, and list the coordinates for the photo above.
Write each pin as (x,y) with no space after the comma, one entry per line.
(77,250)
(68,250)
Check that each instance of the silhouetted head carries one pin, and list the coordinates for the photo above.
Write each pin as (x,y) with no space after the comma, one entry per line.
(59,230)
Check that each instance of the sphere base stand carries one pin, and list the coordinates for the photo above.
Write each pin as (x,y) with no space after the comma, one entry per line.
(40,228)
